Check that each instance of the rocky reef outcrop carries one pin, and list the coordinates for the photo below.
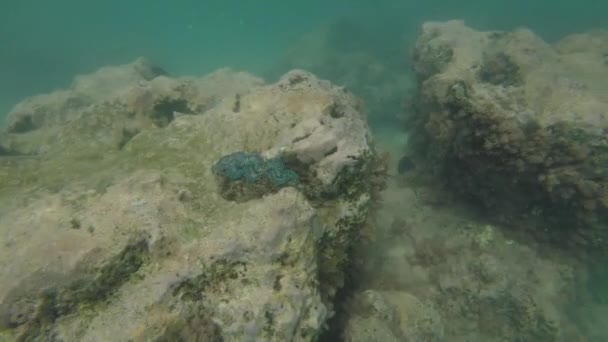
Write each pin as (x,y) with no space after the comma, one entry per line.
(519,126)
(114,224)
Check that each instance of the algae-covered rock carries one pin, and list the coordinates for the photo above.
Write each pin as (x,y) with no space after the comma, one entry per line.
(518,125)
(393,316)
(435,274)
(113,226)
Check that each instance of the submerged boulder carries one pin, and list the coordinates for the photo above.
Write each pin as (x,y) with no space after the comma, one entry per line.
(114,227)
(518,125)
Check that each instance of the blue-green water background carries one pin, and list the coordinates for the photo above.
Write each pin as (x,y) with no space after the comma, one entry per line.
(45,43)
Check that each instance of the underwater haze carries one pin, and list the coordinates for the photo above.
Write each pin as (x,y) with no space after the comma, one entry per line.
(346,170)
(44,44)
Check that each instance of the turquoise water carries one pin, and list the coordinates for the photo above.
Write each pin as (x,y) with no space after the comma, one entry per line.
(362,44)
(44,44)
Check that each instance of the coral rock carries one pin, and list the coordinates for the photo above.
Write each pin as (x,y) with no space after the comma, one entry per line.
(517,124)
(112,227)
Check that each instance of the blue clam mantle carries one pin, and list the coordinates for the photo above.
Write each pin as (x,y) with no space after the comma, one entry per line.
(252,168)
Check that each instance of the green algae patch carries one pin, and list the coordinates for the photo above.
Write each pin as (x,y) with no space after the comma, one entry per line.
(33,315)
(192,327)
(218,272)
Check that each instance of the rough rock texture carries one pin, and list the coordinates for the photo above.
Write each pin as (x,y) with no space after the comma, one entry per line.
(437,273)
(393,316)
(112,227)
(518,125)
